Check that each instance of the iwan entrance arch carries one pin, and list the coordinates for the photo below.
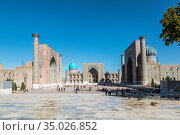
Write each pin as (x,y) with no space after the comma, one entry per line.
(93,72)
(93,75)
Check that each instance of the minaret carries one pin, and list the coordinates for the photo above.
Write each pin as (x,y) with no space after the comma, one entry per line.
(119,76)
(66,76)
(60,69)
(144,77)
(122,68)
(36,84)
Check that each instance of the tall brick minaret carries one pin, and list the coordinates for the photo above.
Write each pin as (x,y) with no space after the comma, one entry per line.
(119,76)
(36,84)
(144,76)
(122,68)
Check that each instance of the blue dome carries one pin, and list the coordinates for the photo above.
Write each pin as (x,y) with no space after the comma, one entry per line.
(150,51)
(73,66)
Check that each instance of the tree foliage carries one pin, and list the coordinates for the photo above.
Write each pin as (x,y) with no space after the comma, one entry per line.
(171,25)
(152,83)
(14,87)
(23,86)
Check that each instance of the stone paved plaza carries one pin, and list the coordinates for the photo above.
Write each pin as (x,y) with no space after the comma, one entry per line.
(69,106)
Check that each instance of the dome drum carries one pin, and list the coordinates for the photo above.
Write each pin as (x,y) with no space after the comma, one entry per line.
(151,54)
(151,59)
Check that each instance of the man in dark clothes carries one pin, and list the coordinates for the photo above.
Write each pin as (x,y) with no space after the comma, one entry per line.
(105,91)
(117,92)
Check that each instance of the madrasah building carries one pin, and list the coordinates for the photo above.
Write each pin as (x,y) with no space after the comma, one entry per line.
(93,73)
(138,66)
(44,71)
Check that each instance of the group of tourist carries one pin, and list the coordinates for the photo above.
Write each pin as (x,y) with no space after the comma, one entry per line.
(25,90)
(61,88)
(109,91)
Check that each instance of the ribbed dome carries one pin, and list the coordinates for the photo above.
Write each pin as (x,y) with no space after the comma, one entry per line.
(73,66)
(150,51)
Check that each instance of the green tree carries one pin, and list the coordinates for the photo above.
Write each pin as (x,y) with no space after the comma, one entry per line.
(23,86)
(168,78)
(171,25)
(174,79)
(152,83)
(14,87)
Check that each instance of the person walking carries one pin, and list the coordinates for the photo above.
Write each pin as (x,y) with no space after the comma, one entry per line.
(76,91)
(105,91)
(117,92)
(109,92)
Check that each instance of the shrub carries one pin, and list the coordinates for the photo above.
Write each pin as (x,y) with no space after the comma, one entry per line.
(154,103)
(157,86)
(140,99)
(14,87)
(168,78)
(23,86)
(152,83)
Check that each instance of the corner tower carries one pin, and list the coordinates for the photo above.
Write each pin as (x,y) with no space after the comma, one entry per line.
(119,76)
(144,75)
(122,68)
(36,83)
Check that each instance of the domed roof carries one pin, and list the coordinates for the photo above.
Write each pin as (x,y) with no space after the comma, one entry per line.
(150,51)
(73,66)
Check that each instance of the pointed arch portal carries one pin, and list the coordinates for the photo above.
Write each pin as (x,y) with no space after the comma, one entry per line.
(53,71)
(129,71)
(94,74)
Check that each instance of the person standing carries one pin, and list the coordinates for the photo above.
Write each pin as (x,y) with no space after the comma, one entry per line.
(105,91)
(109,92)
(117,92)
(76,91)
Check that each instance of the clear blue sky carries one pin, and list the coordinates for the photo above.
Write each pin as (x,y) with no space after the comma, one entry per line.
(84,31)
